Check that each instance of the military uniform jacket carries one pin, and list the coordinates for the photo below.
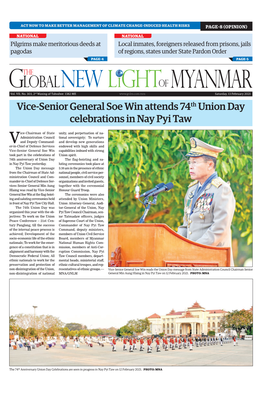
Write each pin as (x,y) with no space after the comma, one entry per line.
(210,221)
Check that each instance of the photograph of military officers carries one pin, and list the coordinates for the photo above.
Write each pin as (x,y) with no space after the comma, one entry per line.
(200,182)
(209,203)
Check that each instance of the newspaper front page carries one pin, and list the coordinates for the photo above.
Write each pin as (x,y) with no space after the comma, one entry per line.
(130,197)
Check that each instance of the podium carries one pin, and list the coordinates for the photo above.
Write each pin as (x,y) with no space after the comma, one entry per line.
(157,245)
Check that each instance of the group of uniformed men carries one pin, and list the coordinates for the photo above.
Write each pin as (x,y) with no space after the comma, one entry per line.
(32,343)
(49,342)
(166,342)
(171,342)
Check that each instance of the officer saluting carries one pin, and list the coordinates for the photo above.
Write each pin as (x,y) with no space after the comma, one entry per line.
(209,203)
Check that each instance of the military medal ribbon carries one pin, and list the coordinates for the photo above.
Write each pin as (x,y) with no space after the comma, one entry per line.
(198,190)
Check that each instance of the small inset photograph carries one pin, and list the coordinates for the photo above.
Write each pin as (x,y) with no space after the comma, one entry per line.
(180,198)
(132,322)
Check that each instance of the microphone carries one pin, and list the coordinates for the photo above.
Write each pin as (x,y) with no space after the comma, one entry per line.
(152,190)
(137,192)
(165,187)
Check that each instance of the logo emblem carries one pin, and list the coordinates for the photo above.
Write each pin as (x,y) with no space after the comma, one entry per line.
(193,143)
(119,73)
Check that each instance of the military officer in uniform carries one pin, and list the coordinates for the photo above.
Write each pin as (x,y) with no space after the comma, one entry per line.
(157,344)
(149,342)
(141,344)
(114,344)
(190,343)
(209,203)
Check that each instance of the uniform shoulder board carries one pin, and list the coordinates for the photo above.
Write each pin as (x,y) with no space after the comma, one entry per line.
(193,183)
(217,182)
